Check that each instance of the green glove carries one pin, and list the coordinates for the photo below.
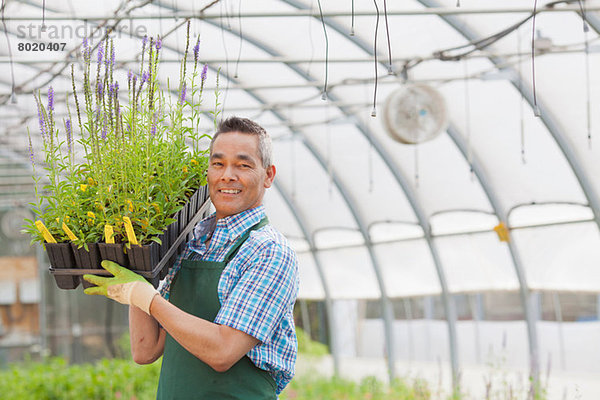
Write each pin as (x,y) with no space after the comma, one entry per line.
(126,286)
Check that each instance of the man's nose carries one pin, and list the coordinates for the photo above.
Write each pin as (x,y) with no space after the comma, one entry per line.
(229,174)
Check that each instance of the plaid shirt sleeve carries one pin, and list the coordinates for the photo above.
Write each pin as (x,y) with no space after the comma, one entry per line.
(266,287)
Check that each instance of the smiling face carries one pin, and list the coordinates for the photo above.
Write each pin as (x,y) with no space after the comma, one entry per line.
(236,177)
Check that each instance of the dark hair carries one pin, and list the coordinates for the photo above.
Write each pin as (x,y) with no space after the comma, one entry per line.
(247,126)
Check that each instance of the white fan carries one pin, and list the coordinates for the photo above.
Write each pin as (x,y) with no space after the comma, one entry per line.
(415,113)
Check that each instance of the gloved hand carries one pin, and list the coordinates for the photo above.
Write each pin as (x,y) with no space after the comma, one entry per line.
(126,286)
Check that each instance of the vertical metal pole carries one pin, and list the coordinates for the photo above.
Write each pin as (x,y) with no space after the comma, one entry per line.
(39,255)
(559,321)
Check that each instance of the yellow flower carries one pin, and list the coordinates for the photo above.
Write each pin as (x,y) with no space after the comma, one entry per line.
(99,206)
(83,187)
(91,182)
(185,169)
(144,223)
(130,205)
(91,214)
(193,162)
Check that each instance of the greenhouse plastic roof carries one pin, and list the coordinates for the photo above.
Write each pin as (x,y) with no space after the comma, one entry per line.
(370,216)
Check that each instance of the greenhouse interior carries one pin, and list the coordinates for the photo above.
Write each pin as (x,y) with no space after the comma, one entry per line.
(438,176)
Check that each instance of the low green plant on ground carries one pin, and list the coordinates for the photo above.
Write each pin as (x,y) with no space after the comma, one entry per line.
(55,379)
(312,387)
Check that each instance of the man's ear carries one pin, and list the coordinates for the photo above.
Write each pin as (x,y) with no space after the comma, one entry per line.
(270,176)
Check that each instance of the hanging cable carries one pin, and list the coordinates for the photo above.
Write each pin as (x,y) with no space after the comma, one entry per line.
(324,95)
(387,30)
(586,29)
(374,110)
(13,96)
(225,16)
(352,24)
(44,16)
(536,108)
(241,35)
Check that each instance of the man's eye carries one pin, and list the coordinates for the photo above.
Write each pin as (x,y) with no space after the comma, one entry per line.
(217,164)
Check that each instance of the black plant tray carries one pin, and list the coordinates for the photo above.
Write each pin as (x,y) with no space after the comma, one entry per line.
(60,255)
(148,260)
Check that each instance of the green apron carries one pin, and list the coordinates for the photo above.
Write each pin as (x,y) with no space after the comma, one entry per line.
(182,375)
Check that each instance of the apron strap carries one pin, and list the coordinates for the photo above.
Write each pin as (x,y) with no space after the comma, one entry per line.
(234,249)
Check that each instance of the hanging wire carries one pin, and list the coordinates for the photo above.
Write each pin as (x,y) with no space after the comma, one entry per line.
(225,16)
(241,35)
(44,16)
(586,30)
(324,95)
(352,24)
(536,108)
(521,104)
(387,30)
(374,110)
(13,97)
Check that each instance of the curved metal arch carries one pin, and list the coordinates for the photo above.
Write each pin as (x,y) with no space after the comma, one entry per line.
(327,293)
(479,171)
(449,308)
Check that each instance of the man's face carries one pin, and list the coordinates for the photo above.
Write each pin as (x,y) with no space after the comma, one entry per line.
(236,177)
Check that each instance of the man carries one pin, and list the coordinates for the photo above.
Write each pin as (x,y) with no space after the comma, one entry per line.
(225,325)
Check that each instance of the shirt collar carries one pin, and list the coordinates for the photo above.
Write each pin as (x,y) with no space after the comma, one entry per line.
(234,225)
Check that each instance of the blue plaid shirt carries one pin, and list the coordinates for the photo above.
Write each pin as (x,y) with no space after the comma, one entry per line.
(257,289)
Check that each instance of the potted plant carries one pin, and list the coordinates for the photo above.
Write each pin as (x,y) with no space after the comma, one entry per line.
(130,183)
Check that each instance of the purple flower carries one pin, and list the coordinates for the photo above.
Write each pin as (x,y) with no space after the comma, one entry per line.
(69,135)
(116,89)
(144,42)
(145,77)
(129,75)
(196,49)
(112,55)
(204,71)
(41,120)
(100,88)
(100,52)
(154,123)
(31,156)
(50,98)
(86,50)
(111,89)
(158,43)
(182,96)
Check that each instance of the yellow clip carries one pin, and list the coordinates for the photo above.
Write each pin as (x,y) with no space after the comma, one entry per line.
(45,232)
(108,234)
(129,230)
(502,232)
(69,233)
